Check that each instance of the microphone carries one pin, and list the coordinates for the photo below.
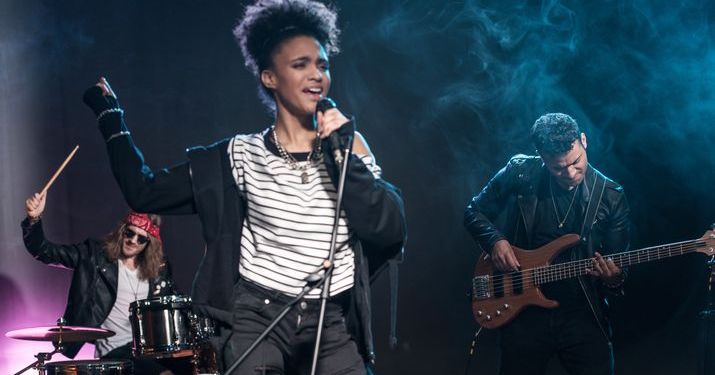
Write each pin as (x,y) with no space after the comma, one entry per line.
(323,105)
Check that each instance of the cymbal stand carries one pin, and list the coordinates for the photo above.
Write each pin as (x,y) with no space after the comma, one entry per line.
(41,359)
(44,357)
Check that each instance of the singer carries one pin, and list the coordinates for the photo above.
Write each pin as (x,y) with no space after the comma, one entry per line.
(267,200)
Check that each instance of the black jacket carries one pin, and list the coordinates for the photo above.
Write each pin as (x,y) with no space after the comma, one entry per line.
(94,281)
(506,207)
(205,186)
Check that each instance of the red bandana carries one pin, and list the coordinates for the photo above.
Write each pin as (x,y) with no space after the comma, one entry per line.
(142,221)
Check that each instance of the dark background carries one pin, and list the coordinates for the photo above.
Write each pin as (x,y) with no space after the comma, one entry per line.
(444,92)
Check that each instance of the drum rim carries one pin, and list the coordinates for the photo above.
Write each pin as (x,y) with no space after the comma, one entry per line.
(147,350)
(162,301)
(84,362)
(176,352)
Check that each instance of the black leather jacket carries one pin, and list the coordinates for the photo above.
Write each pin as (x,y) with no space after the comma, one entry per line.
(94,281)
(506,207)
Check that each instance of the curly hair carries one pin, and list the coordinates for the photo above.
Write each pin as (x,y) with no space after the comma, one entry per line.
(554,133)
(149,261)
(267,23)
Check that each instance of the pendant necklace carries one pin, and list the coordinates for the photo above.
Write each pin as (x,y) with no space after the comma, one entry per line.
(314,155)
(556,210)
(134,290)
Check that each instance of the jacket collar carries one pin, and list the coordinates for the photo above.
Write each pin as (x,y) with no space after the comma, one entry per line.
(109,272)
(527,199)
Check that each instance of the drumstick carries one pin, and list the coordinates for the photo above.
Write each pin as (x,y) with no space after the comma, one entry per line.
(59,170)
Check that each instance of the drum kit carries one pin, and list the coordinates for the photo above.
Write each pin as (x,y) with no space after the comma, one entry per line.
(163,328)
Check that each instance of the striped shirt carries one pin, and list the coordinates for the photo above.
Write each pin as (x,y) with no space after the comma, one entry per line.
(288,225)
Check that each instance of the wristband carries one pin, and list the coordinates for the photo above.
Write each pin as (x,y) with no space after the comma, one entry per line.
(108,111)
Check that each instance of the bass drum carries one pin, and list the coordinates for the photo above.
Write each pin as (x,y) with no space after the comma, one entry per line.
(89,367)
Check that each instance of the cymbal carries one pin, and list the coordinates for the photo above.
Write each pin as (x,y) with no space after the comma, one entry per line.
(57,333)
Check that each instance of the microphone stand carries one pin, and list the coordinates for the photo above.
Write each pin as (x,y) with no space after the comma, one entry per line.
(331,255)
(312,281)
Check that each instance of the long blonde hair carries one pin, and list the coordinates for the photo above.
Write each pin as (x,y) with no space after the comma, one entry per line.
(149,261)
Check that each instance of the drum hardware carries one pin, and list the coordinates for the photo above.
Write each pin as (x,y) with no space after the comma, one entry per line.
(90,367)
(204,361)
(58,334)
(39,365)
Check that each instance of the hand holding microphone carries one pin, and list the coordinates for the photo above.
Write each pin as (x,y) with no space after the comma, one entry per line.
(334,125)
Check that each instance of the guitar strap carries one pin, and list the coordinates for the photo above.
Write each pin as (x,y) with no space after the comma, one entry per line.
(597,189)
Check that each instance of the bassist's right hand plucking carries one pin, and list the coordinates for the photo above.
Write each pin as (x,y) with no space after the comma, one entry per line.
(503,257)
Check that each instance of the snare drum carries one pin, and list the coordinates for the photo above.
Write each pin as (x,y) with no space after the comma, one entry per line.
(161,327)
(89,367)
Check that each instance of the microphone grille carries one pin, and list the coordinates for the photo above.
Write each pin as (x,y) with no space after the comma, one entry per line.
(325,104)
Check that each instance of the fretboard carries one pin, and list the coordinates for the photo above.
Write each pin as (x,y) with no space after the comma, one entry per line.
(555,272)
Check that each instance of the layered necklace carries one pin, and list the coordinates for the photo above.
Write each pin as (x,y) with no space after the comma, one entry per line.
(553,201)
(316,153)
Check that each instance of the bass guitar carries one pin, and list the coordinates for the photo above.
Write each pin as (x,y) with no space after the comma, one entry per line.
(498,297)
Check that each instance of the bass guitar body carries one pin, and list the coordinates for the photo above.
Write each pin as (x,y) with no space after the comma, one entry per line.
(498,297)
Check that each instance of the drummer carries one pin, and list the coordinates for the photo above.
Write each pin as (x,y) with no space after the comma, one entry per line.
(109,274)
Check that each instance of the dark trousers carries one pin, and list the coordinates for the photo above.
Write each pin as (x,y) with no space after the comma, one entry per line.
(571,334)
(289,347)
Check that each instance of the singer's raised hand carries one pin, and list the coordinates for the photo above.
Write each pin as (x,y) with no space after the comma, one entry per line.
(106,89)
(100,97)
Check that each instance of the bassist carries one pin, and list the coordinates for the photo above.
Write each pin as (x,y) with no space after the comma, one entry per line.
(532,201)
